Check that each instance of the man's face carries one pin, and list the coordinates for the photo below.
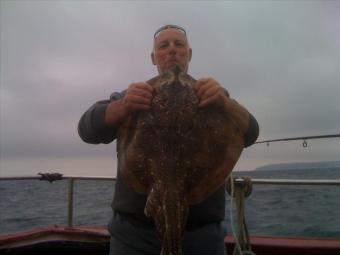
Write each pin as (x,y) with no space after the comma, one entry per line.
(171,48)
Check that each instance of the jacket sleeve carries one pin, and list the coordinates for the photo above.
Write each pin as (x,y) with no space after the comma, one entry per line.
(252,132)
(92,128)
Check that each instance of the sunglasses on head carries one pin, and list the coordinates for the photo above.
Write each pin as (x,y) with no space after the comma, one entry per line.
(167,27)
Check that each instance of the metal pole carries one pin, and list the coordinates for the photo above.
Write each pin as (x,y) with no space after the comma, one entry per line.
(296,181)
(70,202)
(299,138)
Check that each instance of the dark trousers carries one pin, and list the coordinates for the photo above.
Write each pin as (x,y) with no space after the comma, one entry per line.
(129,239)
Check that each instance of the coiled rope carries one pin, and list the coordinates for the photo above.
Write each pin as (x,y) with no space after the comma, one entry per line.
(239,189)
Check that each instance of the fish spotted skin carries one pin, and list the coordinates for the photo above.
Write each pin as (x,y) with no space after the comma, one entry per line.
(176,153)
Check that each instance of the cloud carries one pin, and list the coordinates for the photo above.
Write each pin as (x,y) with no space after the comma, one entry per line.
(279,59)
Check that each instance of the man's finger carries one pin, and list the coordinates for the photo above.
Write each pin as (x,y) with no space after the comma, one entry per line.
(209,91)
(140,92)
(204,87)
(137,99)
(141,85)
(209,100)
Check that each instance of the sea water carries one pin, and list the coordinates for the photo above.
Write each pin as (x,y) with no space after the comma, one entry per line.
(280,210)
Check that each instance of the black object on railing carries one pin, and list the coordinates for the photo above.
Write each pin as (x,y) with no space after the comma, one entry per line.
(51,177)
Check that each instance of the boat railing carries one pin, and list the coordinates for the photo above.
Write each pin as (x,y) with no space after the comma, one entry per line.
(51,177)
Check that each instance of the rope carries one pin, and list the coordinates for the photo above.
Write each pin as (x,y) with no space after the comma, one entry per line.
(239,191)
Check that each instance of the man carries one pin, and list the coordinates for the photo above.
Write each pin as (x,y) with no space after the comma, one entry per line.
(131,232)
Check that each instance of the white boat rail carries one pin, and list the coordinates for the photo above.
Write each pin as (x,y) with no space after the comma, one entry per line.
(71,178)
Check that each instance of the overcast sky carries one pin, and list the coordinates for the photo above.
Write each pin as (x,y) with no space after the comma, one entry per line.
(280,59)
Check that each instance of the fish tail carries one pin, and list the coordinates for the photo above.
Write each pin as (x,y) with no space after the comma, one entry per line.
(171,246)
(176,210)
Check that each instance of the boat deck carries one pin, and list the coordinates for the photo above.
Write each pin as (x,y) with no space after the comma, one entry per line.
(57,240)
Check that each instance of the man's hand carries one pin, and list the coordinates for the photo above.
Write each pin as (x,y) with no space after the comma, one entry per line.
(209,91)
(137,97)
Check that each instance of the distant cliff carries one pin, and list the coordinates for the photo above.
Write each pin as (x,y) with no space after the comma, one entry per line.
(300,166)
